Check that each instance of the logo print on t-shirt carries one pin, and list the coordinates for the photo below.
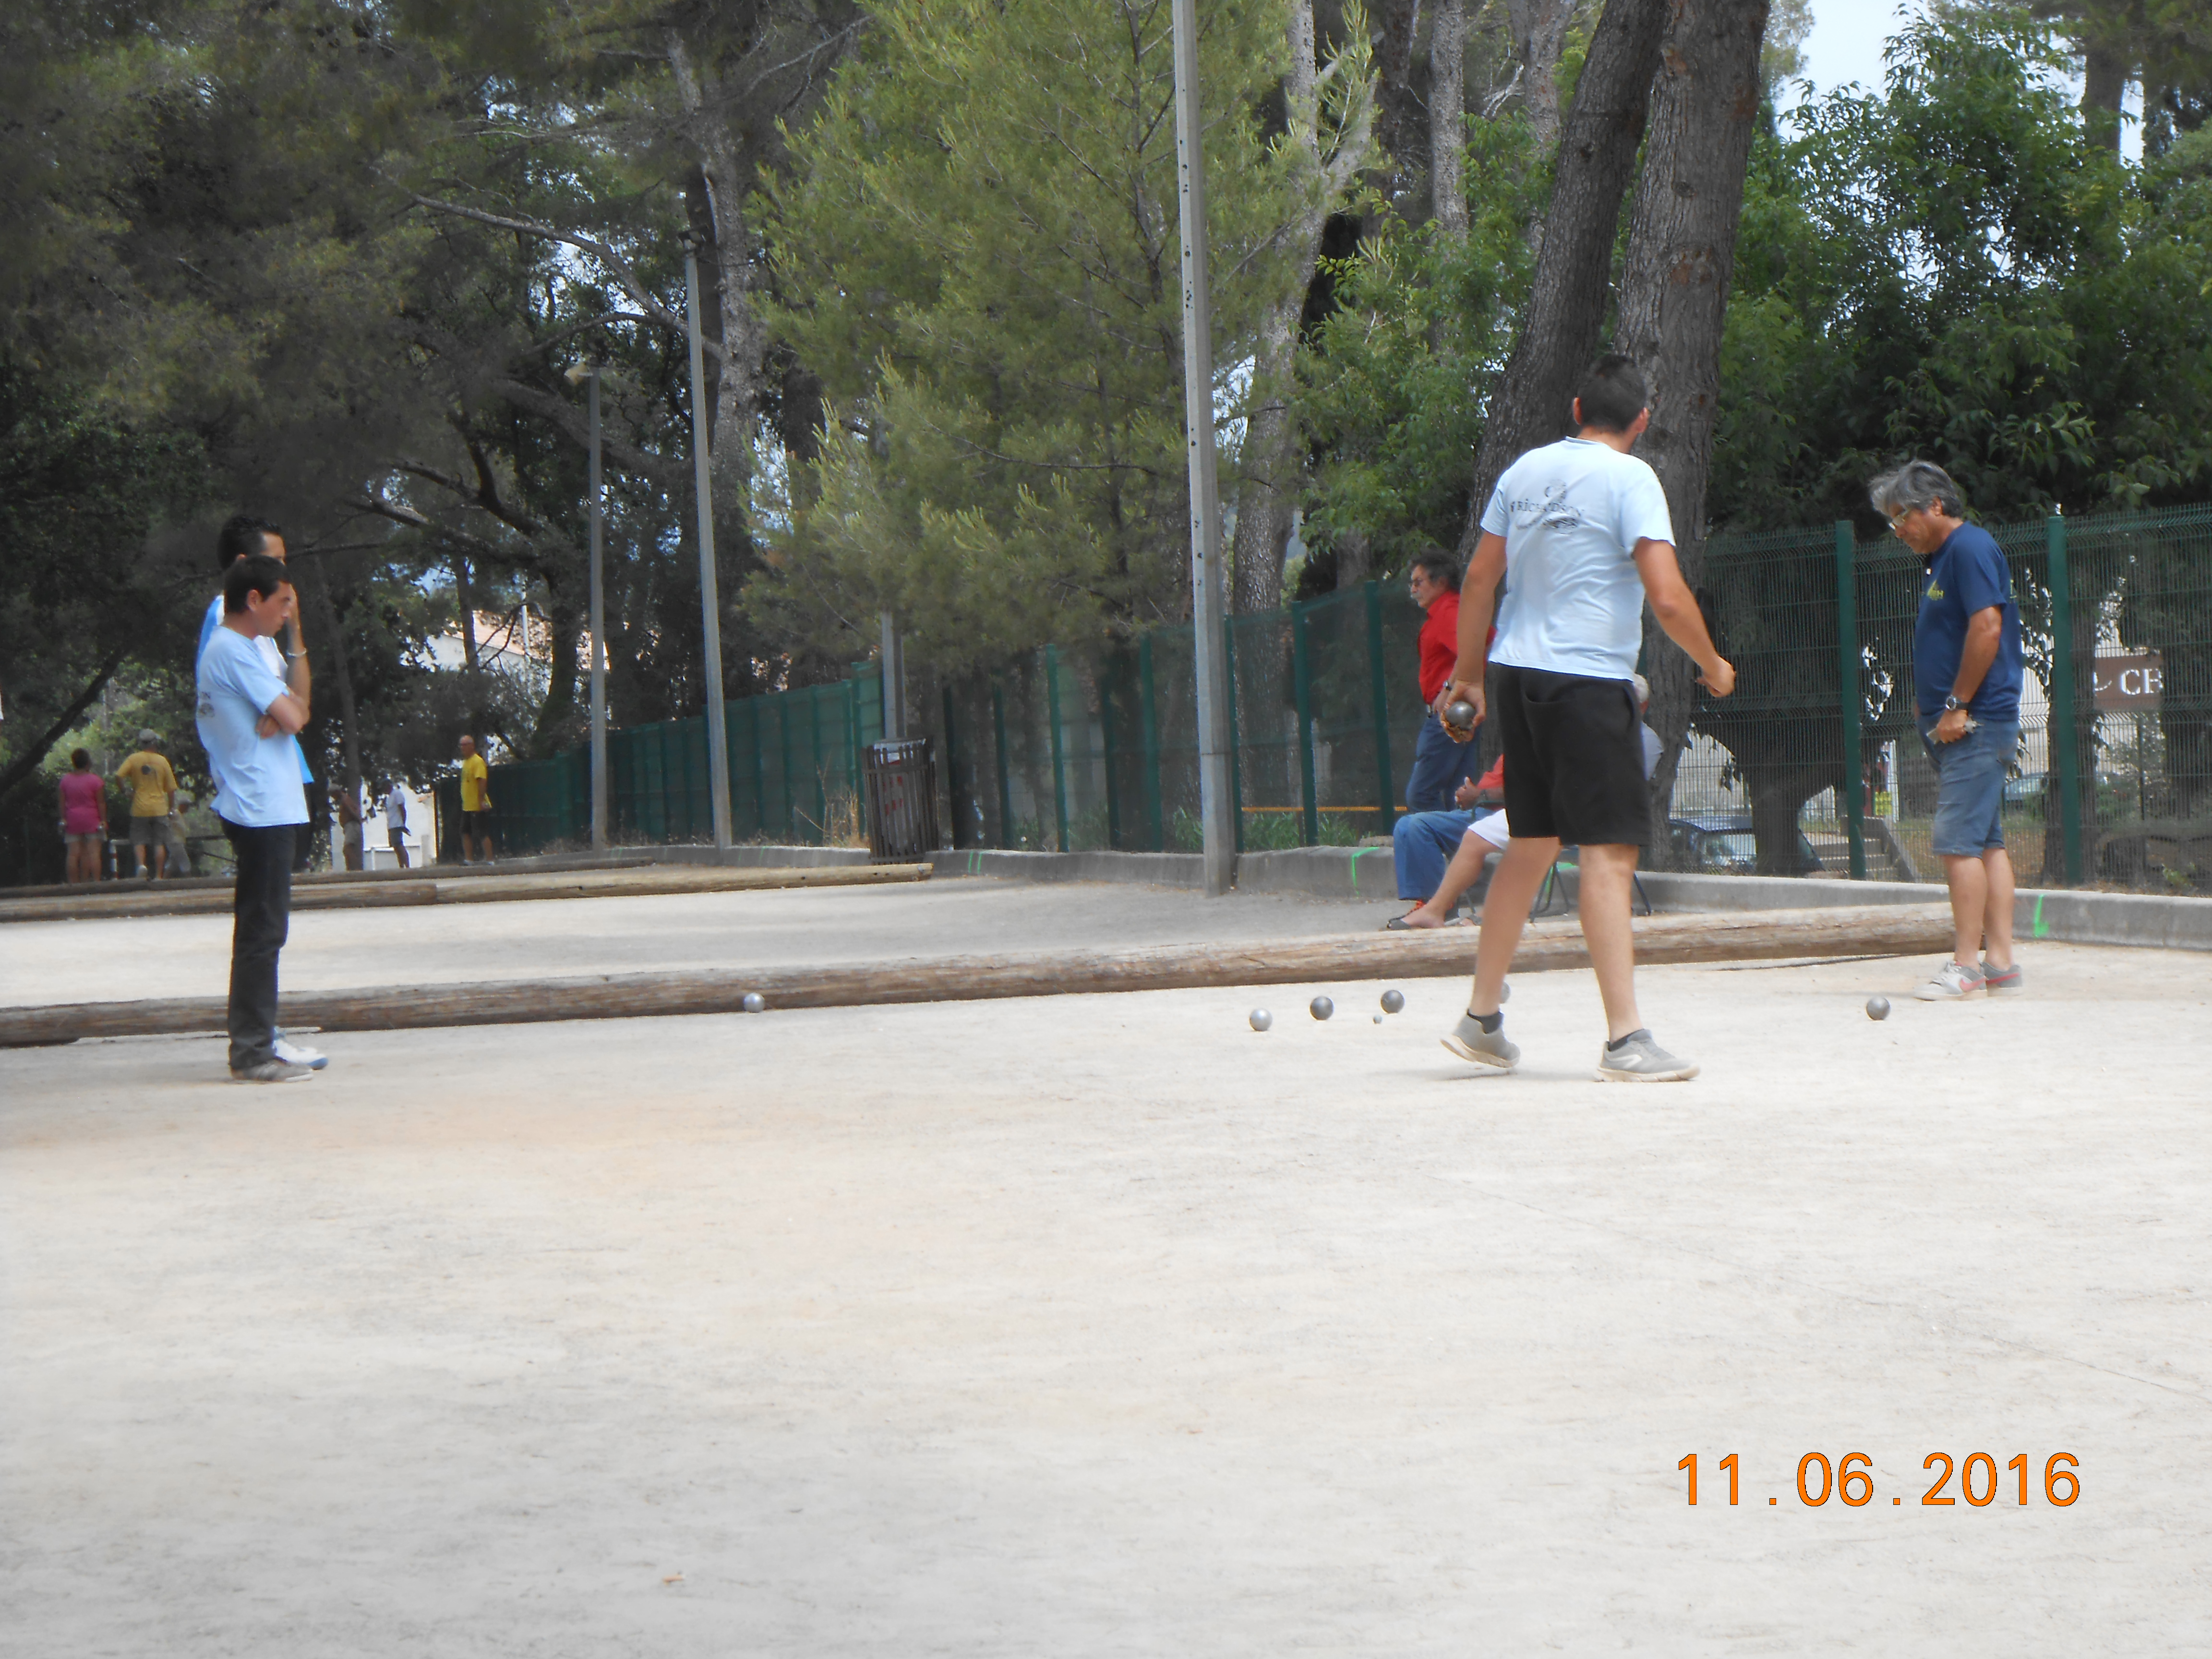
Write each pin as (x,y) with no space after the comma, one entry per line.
(1555,512)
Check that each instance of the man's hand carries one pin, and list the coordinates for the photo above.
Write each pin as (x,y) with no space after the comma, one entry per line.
(1458,690)
(1720,679)
(1466,794)
(1952,727)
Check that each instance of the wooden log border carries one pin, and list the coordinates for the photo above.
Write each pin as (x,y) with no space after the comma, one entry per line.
(1874,931)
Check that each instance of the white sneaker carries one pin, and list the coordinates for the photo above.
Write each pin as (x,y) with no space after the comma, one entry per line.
(1954,982)
(298,1054)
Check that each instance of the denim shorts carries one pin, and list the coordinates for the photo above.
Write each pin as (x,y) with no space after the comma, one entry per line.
(1970,776)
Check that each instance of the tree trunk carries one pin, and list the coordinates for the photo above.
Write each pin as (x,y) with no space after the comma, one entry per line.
(1398,113)
(326,614)
(2104,84)
(1448,119)
(1266,493)
(1674,297)
(726,173)
(1559,328)
(1539,35)
(27,762)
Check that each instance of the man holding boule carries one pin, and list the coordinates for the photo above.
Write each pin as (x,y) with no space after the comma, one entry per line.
(1581,526)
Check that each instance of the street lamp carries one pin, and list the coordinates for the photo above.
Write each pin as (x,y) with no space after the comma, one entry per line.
(1216,806)
(589,371)
(717,747)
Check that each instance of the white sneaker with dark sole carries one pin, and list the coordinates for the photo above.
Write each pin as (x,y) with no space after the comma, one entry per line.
(1954,982)
(1640,1059)
(298,1054)
(1471,1042)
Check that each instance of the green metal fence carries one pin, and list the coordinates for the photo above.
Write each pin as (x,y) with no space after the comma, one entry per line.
(1815,761)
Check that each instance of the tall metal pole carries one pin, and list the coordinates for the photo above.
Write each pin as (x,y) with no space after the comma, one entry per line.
(599,636)
(1215,803)
(717,745)
(893,671)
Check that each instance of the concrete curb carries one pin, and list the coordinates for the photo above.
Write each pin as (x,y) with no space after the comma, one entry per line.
(753,858)
(1152,869)
(1367,874)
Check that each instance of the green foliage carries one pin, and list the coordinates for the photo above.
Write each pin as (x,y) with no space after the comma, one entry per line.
(979,255)
(1394,376)
(1956,268)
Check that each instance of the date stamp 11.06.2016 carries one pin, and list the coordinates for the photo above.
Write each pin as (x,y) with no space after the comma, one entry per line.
(1851,1479)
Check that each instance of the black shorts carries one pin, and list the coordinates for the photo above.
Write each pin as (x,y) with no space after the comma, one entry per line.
(476,823)
(1574,758)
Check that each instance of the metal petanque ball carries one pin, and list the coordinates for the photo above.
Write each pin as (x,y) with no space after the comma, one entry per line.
(1505,994)
(1261,1019)
(753,1002)
(1321,1007)
(1393,1002)
(1877,1008)
(1461,714)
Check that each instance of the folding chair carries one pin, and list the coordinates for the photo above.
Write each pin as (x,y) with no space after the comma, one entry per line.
(1553,884)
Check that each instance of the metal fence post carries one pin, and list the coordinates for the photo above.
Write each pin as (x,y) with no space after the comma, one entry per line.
(1058,771)
(1236,741)
(1149,721)
(783,742)
(1107,660)
(1380,693)
(1005,783)
(2061,736)
(952,769)
(1851,694)
(1301,677)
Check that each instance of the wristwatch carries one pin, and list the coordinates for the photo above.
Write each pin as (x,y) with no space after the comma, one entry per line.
(1952,702)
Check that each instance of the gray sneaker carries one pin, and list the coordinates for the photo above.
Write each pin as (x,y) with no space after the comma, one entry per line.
(2003,981)
(1471,1042)
(1953,982)
(1640,1060)
(271,1070)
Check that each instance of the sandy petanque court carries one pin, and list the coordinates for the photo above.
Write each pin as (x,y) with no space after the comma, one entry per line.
(1102,1325)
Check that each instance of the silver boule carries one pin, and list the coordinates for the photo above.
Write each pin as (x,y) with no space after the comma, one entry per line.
(1261,1019)
(1393,1002)
(1321,1007)
(754,1002)
(1877,1008)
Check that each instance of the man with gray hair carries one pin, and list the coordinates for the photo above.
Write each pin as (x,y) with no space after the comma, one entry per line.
(1967,675)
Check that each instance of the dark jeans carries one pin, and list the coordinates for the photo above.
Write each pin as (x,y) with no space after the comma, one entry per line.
(1440,766)
(261,916)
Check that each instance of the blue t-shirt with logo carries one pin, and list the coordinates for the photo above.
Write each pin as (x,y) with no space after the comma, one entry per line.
(1967,574)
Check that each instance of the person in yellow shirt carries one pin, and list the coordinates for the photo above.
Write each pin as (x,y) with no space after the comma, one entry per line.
(153,788)
(475,802)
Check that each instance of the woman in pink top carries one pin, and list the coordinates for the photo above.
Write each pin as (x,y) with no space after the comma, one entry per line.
(84,816)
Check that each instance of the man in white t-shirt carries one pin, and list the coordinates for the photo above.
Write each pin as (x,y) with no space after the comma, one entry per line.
(1581,528)
(247,716)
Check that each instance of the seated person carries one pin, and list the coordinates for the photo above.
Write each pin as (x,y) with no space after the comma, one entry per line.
(1422,839)
(1423,843)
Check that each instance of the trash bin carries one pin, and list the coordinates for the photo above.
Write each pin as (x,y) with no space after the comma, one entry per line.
(902,801)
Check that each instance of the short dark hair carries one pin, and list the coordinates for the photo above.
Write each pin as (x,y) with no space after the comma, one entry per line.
(256,573)
(1439,566)
(81,758)
(1612,394)
(245,534)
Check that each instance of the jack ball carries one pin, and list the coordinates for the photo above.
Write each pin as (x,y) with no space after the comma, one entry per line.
(1321,1007)
(1261,1019)
(1877,1008)
(1393,1002)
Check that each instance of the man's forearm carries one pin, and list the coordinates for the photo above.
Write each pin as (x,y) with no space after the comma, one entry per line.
(297,678)
(1981,650)
(1682,620)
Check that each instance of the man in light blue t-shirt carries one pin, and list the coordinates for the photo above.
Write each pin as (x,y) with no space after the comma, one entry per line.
(239,536)
(1580,531)
(247,717)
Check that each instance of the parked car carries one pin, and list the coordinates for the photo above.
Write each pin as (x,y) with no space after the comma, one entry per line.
(1723,843)
(2027,787)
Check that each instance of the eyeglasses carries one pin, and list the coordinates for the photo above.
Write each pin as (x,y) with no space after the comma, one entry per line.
(1900,519)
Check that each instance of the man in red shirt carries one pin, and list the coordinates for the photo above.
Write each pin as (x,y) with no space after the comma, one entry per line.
(1440,765)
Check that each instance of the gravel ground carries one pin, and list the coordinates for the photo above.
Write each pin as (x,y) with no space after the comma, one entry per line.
(1101,1325)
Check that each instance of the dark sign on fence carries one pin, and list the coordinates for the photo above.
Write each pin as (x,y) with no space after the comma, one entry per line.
(2134,681)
